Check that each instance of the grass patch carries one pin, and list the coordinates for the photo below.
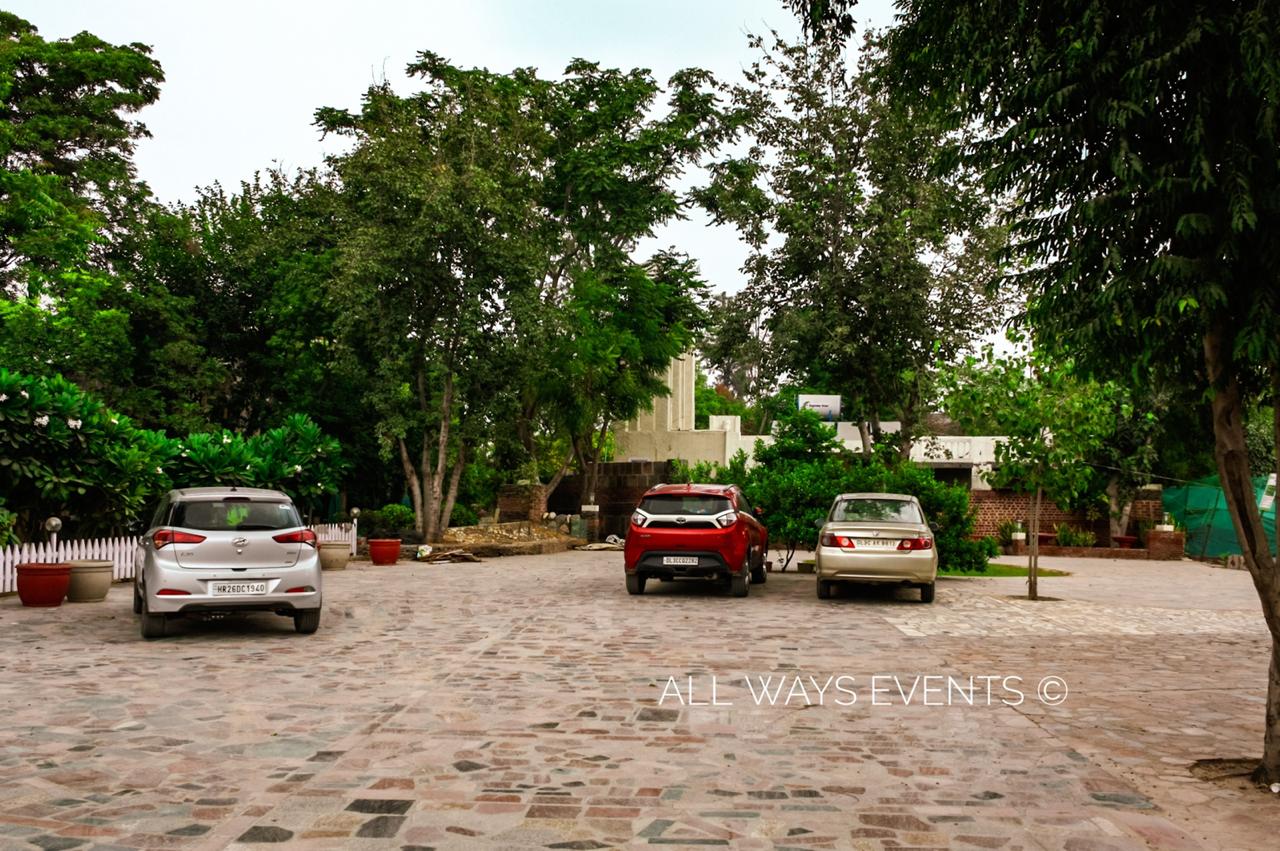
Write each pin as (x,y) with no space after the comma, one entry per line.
(1005,570)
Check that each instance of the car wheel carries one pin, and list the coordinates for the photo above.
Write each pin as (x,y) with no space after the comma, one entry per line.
(926,593)
(740,583)
(137,600)
(824,589)
(759,575)
(152,626)
(635,583)
(307,621)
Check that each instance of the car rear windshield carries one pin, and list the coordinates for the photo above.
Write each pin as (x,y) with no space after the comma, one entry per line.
(234,515)
(693,504)
(876,510)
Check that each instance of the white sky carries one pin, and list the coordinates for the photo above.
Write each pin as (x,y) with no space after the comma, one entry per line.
(243,79)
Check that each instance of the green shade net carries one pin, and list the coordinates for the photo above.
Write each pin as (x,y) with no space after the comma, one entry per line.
(1201,508)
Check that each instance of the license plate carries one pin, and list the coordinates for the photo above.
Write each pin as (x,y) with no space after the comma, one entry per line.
(875,543)
(682,561)
(219,589)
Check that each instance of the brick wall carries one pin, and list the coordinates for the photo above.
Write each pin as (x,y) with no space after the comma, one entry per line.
(521,502)
(621,485)
(995,507)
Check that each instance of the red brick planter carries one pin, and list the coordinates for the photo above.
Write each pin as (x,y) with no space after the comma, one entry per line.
(43,585)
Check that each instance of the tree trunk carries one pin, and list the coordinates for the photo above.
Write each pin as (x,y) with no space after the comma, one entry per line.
(564,468)
(864,433)
(1233,469)
(438,471)
(593,473)
(415,489)
(1033,547)
(1118,510)
(452,496)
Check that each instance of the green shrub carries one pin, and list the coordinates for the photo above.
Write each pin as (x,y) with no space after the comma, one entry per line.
(710,472)
(1004,532)
(971,555)
(1070,536)
(794,500)
(63,452)
(463,515)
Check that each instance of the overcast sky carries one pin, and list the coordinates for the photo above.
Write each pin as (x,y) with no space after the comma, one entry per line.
(243,79)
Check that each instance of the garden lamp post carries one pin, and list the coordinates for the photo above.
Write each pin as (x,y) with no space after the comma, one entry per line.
(53,526)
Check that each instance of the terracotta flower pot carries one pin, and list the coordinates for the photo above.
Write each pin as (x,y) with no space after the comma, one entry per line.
(90,581)
(384,550)
(1125,542)
(334,555)
(43,584)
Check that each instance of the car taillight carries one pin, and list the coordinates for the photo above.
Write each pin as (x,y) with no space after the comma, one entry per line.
(164,537)
(301,536)
(639,518)
(842,541)
(916,544)
(727,519)
(301,589)
(172,592)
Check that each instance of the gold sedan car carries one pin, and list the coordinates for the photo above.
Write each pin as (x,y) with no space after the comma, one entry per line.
(880,538)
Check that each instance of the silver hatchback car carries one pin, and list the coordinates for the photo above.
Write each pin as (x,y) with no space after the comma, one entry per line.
(224,549)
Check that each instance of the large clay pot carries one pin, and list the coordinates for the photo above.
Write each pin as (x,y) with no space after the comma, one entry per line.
(384,550)
(43,584)
(334,554)
(90,581)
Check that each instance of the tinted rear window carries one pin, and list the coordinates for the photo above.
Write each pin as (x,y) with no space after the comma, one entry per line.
(234,515)
(876,510)
(695,504)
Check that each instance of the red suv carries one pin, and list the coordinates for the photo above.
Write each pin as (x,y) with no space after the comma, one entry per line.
(696,531)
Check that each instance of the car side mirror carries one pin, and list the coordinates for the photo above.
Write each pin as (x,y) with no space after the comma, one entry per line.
(820,522)
(758,511)
(935,527)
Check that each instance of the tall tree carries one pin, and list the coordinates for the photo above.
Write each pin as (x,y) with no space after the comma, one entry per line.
(439,235)
(1140,139)
(873,267)
(66,145)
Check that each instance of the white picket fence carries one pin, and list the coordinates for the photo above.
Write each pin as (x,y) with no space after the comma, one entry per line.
(120,551)
(337,532)
(117,550)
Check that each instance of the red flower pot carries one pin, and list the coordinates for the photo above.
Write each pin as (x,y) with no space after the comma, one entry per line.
(384,550)
(43,584)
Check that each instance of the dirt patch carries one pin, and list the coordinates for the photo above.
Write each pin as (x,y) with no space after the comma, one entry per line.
(1234,773)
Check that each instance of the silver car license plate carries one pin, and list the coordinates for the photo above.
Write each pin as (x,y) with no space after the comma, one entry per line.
(876,543)
(219,589)
(683,561)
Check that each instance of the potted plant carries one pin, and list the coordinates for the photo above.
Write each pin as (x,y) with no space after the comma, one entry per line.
(90,580)
(387,528)
(1019,534)
(1166,525)
(43,584)
(334,554)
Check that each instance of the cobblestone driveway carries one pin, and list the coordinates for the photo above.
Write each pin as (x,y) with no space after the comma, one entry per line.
(517,704)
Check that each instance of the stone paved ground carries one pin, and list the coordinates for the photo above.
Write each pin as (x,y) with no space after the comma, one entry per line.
(518,704)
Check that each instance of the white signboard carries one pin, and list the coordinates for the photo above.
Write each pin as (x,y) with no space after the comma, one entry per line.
(827,407)
(1268,494)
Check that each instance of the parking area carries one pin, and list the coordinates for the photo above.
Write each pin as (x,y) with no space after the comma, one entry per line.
(530,702)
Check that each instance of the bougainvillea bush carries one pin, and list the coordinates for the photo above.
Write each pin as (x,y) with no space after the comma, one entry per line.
(63,452)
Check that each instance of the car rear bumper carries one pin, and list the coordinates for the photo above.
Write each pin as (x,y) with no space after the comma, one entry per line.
(915,566)
(653,564)
(200,598)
